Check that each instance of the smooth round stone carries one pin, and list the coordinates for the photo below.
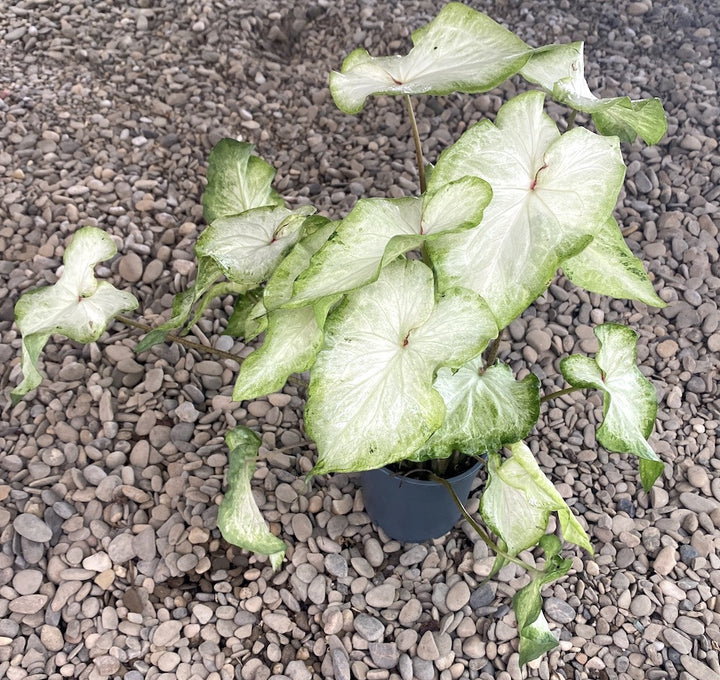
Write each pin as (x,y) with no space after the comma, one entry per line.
(27,581)
(559,610)
(381,596)
(32,527)
(458,596)
(411,612)
(368,627)
(641,605)
(52,638)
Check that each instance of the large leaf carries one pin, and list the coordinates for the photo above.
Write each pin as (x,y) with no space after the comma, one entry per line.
(518,500)
(461,50)
(485,411)
(371,400)
(629,398)
(292,341)
(237,181)
(607,266)
(560,70)
(551,194)
(377,230)
(76,306)
(239,518)
(249,246)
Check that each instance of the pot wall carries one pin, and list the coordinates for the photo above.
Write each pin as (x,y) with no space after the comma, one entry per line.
(412,510)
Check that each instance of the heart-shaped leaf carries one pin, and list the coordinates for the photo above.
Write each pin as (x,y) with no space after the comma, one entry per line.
(485,411)
(378,230)
(607,266)
(629,398)
(77,306)
(551,193)
(461,50)
(239,518)
(518,500)
(237,181)
(560,70)
(371,400)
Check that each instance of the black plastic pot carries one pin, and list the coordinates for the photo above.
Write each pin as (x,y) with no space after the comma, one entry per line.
(413,510)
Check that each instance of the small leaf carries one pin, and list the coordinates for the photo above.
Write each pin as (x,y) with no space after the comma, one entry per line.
(559,69)
(461,50)
(237,181)
(76,306)
(551,194)
(484,411)
(371,400)
(607,266)
(629,398)
(239,518)
(518,500)
(536,638)
(292,341)
(208,272)
(249,246)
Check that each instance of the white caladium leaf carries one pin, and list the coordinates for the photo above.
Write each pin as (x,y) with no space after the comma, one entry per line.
(485,411)
(371,400)
(292,341)
(250,245)
(518,500)
(377,230)
(607,266)
(237,181)
(461,50)
(560,70)
(77,306)
(239,518)
(629,398)
(551,193)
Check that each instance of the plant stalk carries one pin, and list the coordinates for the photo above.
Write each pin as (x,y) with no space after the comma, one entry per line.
(559,393)
(418,146)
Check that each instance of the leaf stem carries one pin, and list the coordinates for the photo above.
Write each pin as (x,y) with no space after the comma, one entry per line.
(418,146)
(559,393)
(494,348)
(480,531)
(180,340)
(571,120)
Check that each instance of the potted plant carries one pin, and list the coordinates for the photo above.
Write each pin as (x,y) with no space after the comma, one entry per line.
(397,310)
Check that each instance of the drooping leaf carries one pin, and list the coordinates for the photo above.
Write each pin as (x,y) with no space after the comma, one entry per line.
(237,181)
(244,304)
(461,50)
(518,500)
(239,518)
(371,400)
(560,70)
(629,398)
(376,231)
(77,306)
(208,272)
(551,194)
(535,635)
(249,246)
(607,266)
(484,411)
(292,341)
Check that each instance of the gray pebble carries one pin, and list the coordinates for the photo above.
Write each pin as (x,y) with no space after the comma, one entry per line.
(368,627)
(381,596)
(32,527)
(384,654)
(558,610)
(340,664)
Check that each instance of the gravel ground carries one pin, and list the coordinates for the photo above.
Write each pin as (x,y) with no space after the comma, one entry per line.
(111,564)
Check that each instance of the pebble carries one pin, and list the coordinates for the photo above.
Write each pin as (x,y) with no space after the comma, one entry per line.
(384,654)
(697,669)
(665,561)
(381,596)
(369,627)
(166,634)
(559,610)
(32,528)
(457,597)
(27,581)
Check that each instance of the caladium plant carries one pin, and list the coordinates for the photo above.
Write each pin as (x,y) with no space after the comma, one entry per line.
(392,308)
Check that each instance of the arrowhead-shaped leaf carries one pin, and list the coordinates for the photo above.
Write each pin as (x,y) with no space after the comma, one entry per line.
(560,70)
(629,398)
(237,181)
(461,50)
(484,411)
(607,266)
(76,306)
(377,230)
(518,500)
(249,246)
(239,518)
(371,400)
(550,195)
